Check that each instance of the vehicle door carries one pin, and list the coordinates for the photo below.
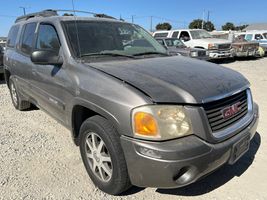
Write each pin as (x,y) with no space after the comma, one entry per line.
(50,81)
(21,61)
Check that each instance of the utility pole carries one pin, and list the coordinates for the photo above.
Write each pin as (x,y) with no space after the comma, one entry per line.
(208,17)
(132,19)
(203,19)
(151,23)
(24,9)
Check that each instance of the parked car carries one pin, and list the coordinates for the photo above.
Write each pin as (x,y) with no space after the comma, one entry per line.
(139,116)
(1,60)
(256,36)
(176,46)
(240,46)
(243,48)
(198,38)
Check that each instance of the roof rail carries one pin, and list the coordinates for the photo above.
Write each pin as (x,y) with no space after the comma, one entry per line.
(50,12)
(44,13)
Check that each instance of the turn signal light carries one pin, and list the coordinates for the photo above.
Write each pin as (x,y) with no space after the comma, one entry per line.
(145,124)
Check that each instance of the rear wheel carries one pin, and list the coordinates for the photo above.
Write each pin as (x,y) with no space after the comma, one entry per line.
(102,155)
(18,103)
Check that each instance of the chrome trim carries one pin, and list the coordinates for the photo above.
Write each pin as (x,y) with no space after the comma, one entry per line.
(242,123)
(219,97)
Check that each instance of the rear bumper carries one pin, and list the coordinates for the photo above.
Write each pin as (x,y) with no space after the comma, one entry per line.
(179,162)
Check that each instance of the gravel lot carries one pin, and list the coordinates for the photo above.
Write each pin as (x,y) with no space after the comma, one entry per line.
(39,160)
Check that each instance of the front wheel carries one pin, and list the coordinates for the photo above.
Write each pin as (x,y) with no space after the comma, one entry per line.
(103,156)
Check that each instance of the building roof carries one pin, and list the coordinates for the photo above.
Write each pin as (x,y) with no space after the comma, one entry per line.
(257,26)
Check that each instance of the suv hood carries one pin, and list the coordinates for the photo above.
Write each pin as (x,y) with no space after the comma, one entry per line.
(215,41)
(176,79)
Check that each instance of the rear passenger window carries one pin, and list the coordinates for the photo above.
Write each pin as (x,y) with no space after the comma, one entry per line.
(161,34)
(27,38)
(12,36)
(175,34)
(47,38)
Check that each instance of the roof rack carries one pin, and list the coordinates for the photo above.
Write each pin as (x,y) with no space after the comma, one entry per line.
(50,12)
(44,13)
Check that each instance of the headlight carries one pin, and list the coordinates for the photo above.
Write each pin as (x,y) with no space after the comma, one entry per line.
(194,54)
(161,122)
(212,46)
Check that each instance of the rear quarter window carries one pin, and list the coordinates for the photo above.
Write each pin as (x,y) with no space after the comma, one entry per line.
(12,36)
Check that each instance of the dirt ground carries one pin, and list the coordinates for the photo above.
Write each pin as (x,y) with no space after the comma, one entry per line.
(39,161)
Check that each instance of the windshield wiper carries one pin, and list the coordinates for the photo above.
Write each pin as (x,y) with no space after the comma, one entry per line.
(150,53)
(106,54)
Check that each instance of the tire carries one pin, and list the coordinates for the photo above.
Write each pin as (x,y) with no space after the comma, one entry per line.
(18,103)
(118,181)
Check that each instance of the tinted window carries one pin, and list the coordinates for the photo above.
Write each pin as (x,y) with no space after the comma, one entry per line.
(12,36)
(258,37)
(27,38)
(161,34)
(175,34)
(185,36)
(47,38)
(160,41)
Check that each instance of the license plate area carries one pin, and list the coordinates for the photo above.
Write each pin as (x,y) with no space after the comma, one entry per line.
(239,149)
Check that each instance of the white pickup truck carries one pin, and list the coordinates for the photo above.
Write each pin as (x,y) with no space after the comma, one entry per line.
(198,38)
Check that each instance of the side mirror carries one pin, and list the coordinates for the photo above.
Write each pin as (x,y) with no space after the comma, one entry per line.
(46,57)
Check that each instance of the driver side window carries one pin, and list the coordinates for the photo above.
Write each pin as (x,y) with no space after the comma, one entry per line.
(47,38)
(184,36)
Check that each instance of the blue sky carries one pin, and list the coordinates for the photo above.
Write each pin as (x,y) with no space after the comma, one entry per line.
(179,13)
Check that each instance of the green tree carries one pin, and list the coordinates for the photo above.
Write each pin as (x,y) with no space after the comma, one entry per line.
(241,27)
(228,26)
(164,26)
(209,26)
(196,24)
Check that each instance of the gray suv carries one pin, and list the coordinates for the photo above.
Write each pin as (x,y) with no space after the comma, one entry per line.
(139,116)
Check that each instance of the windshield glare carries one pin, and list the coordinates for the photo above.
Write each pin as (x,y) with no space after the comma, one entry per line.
(174,43)
(200,34)
(91,37)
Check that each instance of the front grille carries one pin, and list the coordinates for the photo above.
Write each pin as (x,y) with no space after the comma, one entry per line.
(202,53)
(214,111)
(224,46)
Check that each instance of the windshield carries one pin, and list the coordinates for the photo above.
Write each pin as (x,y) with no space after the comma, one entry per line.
(265,35)
(174,43)
(94,38)
(200,34)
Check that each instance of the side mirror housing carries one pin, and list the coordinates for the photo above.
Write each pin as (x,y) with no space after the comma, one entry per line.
(46,57)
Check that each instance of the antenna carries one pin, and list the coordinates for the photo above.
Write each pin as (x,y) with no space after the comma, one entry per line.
(76,27)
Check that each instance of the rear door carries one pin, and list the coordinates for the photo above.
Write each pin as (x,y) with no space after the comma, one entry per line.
(21,61)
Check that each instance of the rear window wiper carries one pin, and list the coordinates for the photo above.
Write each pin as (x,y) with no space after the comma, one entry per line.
(150,53)
(106,54)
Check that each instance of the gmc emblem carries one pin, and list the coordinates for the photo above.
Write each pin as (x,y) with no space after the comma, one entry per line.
(231,110)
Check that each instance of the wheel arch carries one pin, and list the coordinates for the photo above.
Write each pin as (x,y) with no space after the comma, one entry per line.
(83,110)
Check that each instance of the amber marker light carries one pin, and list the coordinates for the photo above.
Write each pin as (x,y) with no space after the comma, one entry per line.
(145,125)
